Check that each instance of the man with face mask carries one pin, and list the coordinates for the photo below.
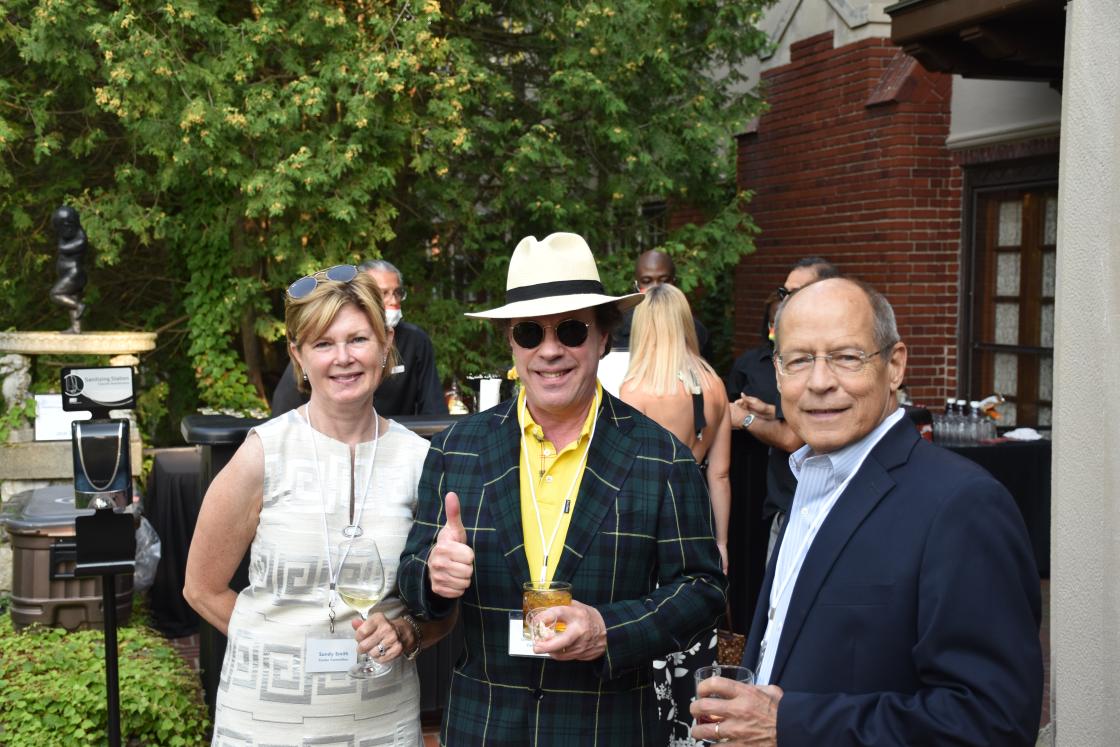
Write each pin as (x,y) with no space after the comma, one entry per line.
(413,386)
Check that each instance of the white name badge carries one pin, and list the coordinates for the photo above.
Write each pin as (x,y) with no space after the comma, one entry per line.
(326,654)
(397,369)
(518,644)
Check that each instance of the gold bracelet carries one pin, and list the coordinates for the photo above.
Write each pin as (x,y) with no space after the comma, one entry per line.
(417,633)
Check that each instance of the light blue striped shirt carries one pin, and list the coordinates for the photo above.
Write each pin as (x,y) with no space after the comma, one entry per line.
(821,479)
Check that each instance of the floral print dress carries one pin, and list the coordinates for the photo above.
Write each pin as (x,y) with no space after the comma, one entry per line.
(675,688)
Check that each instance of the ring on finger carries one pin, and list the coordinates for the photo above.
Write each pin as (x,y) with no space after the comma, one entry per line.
(381,649)
(717,731)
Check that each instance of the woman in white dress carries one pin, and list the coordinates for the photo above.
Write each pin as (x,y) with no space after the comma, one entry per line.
(670,382)
(292,493)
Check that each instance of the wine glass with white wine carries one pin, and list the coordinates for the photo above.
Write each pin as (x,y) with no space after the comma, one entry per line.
(361,584)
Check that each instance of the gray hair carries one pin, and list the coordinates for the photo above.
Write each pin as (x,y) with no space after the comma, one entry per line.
(885,331)
(381,265)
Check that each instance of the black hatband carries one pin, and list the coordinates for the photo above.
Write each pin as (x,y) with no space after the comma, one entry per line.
(556,288)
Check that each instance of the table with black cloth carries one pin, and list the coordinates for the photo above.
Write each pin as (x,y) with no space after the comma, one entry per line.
(171,502)
(1023,467)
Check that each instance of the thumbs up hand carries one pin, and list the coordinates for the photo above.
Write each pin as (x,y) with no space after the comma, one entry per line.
(451,562)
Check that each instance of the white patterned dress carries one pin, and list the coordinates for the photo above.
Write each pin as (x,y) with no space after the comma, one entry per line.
(265,697)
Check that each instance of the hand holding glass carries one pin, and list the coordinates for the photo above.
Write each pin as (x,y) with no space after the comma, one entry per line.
(739,674)
(361,584)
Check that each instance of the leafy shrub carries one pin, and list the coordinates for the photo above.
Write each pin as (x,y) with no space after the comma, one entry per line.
(52,688)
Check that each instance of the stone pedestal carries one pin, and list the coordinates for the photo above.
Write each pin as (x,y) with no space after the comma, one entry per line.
(26,463)
(87,343)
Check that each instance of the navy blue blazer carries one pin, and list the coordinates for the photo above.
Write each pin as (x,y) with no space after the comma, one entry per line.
(914,619)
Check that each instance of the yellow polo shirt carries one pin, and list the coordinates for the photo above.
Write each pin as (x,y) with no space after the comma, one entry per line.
(556,479)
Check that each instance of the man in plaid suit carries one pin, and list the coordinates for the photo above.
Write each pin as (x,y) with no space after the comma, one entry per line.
(563,483)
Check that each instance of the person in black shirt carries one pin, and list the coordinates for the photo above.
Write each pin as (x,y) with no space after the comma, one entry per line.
(752,390)
(761,444)
(654,268)
(413,387)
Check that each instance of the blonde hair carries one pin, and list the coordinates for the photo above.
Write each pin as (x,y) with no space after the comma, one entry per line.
(663,345)
(309,317)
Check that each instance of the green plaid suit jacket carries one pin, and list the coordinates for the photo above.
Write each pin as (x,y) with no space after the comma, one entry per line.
(640,548)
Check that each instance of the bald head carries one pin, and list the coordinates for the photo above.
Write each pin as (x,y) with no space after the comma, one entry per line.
(839,362)
(884,327)
(654,268)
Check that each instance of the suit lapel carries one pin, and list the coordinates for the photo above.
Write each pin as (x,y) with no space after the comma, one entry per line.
(499,462)
(863,493)
(608,464)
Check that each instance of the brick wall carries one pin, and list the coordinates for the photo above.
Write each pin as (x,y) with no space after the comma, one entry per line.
(849,163)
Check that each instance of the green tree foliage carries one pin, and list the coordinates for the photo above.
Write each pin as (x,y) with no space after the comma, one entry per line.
(217,151)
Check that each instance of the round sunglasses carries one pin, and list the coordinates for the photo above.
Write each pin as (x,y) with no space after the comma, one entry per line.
(338,274)
(571,333)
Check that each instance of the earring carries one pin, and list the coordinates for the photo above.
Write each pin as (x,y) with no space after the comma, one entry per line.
(305,378)
(384,360)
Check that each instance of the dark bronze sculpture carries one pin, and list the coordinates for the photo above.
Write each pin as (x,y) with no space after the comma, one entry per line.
(72,244)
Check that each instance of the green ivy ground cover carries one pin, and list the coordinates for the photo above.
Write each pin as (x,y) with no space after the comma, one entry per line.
(52,688)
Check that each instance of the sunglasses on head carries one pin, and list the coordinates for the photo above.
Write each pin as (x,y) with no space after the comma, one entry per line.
(339,274)
(571,333)
(783,292)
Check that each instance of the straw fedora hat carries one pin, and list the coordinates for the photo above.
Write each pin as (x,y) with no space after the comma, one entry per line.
(551,276)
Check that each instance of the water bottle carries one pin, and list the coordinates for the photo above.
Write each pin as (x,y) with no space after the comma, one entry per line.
(963,425)
(975,423)
(951,422)
(941,423)
(960,423)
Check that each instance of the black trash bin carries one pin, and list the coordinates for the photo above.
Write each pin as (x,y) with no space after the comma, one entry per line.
(40,524)
(219,436)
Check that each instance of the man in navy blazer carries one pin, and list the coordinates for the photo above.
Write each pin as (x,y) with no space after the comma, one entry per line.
(902,605)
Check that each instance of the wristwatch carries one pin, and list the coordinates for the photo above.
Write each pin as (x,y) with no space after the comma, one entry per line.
(747,421)
(410,655)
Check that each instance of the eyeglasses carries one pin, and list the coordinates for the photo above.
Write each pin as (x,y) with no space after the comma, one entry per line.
(571,333)
(783,292)
(339,274)
(841,362)
(399,294)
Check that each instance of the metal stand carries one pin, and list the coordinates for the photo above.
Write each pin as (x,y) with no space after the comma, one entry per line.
(112,676)
(106,546)
(105,543)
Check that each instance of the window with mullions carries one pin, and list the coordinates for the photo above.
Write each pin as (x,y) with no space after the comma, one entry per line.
(643,231)
(1012,340)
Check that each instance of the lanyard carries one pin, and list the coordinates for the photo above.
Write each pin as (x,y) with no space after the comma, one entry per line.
(779,586)
(790,573)
(333,572)
(567,498)
(778,589)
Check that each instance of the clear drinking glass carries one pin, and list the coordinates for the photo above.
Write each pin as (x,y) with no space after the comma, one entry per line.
(361,585)
(739,674)
(542,624)
(536,594)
